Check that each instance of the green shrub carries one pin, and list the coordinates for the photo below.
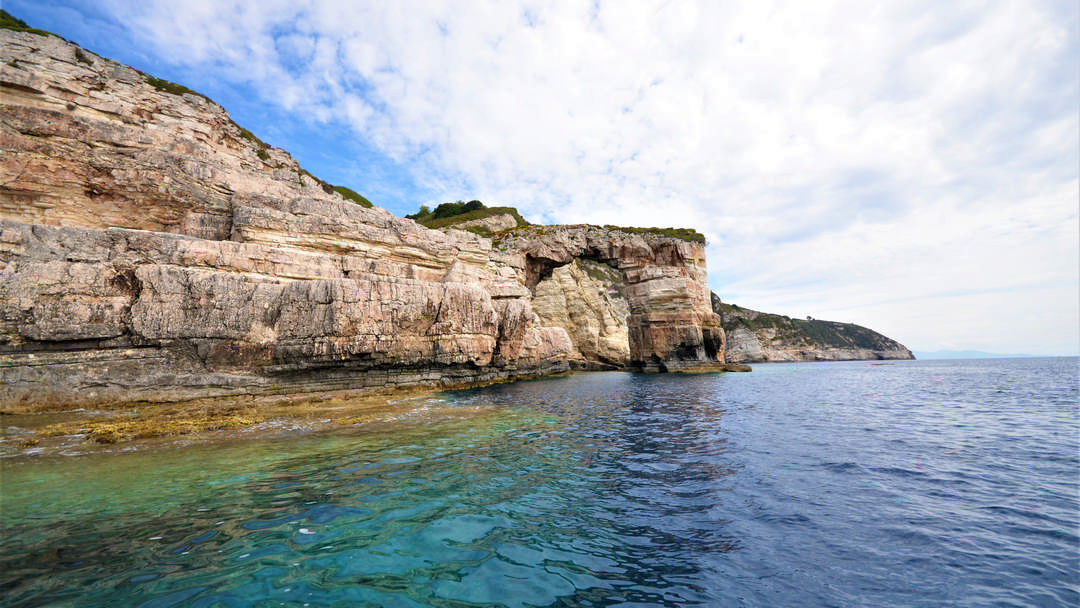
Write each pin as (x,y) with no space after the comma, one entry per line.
(448,214)
(326,187)
(262,146)
(685,234)
(248,135)
(446,210)
(169,87)
(10,22)
(424,213)
(353,196)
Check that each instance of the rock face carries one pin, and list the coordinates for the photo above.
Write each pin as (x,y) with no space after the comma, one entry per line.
(670,325)
(151,249)
(754,336)
(588,299)
(491,223)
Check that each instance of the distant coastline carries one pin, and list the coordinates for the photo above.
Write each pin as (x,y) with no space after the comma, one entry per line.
(969,354)
(756,337)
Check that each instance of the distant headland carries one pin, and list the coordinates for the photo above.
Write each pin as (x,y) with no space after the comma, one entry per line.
(154,251)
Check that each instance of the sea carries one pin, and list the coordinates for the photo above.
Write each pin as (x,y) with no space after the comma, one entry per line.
(906,483)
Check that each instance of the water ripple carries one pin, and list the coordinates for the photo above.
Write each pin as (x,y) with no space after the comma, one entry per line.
(919,484)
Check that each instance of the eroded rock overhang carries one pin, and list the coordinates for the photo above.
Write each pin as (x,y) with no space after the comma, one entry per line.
(662,280)
(151,249)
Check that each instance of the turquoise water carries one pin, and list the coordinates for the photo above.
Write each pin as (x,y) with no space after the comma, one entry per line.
(850,484)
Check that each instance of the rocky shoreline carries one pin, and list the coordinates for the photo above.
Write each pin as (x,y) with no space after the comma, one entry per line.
(39,432)
(152,250)
(156,257)
(759,337)
(57,430)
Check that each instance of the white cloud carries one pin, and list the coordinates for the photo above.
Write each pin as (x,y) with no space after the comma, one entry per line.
(846,158)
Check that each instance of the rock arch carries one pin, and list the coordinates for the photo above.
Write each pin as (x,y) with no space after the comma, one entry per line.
(670,324)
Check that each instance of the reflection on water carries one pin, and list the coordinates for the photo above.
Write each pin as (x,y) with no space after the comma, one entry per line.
(610,489)
(544,498)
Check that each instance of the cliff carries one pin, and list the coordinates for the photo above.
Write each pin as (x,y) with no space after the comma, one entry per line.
(658,284)
(151,249)
(754,336)
(473,216)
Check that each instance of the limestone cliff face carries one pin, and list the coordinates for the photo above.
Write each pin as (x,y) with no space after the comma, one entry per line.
(754,336)
(588,299)
(670,323)
(492,223)
(152,249)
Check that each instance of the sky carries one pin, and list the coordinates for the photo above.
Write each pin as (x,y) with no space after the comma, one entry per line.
(913,166)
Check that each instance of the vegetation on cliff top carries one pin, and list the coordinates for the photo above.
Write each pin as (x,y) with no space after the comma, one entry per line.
(11,22)
(686,234)
(353,196)
(808,332)
(261,147)
(167,86)
(450,214)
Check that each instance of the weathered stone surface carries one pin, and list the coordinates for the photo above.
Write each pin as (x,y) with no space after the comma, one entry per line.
(671,325)
(150,249)
(586,298)
(215,324)
(743,345)
(491,223)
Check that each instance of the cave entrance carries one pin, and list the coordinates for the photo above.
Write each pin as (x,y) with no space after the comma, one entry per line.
(587,298)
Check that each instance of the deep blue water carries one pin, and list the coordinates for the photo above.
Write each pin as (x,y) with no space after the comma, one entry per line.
(927,483)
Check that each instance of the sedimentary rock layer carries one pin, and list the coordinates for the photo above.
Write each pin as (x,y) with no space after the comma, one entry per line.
(588,299)
(151,249)
(116,314)
(670,325)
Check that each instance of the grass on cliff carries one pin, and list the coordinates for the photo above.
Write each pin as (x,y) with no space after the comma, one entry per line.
(263,154)
(450,214)
(353,196)
(685,234)
(810,331)
(11,22)
(167,86)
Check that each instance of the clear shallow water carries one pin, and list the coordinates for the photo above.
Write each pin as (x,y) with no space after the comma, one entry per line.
(841,484)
